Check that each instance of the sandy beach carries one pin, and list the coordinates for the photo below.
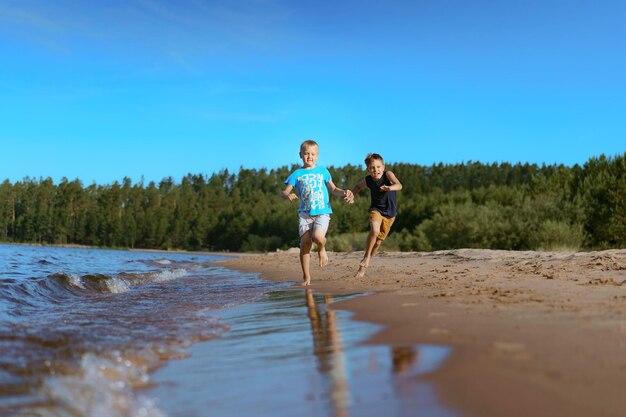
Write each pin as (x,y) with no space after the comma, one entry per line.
(533,333)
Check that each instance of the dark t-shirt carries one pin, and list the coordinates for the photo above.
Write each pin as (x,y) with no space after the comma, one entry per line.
(382,201)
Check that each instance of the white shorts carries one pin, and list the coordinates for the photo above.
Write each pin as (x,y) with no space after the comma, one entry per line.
(315,222)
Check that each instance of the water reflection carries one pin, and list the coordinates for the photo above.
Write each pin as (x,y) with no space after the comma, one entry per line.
(328,348)
(290,355)
(352,372)
(403,358)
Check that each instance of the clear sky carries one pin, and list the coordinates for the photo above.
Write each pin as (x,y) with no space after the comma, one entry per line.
(102,90)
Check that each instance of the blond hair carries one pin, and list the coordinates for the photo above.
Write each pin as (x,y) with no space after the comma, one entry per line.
(307,144)
(373,157)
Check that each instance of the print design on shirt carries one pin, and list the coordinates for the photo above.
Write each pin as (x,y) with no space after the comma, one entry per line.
(311,186)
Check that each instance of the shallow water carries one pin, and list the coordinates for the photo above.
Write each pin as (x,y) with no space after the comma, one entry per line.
(82,330)
(88,332)
(289,354)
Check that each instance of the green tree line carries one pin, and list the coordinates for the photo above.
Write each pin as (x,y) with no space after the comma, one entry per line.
(444,206)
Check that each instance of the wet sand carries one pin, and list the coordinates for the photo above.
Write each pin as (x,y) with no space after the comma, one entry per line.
(533,333)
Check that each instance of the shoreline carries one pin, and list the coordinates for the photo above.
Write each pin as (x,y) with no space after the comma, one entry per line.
(77,246)
(533,333)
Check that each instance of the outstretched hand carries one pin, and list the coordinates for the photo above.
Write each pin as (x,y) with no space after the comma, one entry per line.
(349,197)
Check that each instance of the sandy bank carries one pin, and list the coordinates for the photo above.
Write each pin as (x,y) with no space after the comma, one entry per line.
(535,333)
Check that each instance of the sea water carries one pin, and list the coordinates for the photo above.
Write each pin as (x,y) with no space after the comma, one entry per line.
(92,332)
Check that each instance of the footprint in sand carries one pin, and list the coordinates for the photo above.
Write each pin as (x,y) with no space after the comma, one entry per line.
(508,346)
(514,349)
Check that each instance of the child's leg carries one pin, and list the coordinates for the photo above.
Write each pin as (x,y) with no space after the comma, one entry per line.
(320,227)
(305,257)
(371,244)
(385,228)
(319,237)
(376,246)
(379,228)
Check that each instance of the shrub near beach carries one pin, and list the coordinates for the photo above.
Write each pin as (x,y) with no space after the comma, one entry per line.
(468,205)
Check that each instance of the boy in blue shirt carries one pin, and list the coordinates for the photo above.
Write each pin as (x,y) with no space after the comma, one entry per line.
(313,184)
(383,207)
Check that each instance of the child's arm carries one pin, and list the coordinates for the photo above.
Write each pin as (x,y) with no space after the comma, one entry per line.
(395,183)
(338,192)
(357,188)
(286,193)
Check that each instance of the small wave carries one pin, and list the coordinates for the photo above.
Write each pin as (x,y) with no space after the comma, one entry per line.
(58,287)
(95,283)
(98,283)
(30,293)
(120,283)
(117,285)
(169,274)
(112,383)
(75,281)
(104,386)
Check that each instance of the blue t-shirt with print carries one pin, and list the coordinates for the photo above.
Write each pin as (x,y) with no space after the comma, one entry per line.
(312,189)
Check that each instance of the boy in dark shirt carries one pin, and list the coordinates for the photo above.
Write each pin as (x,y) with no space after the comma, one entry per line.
(383,208)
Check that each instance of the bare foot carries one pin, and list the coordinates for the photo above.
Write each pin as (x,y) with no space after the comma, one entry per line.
(361,272)
(365,262)
(306,282)
(323,257)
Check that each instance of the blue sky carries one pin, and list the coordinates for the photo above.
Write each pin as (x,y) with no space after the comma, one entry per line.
(143,88)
